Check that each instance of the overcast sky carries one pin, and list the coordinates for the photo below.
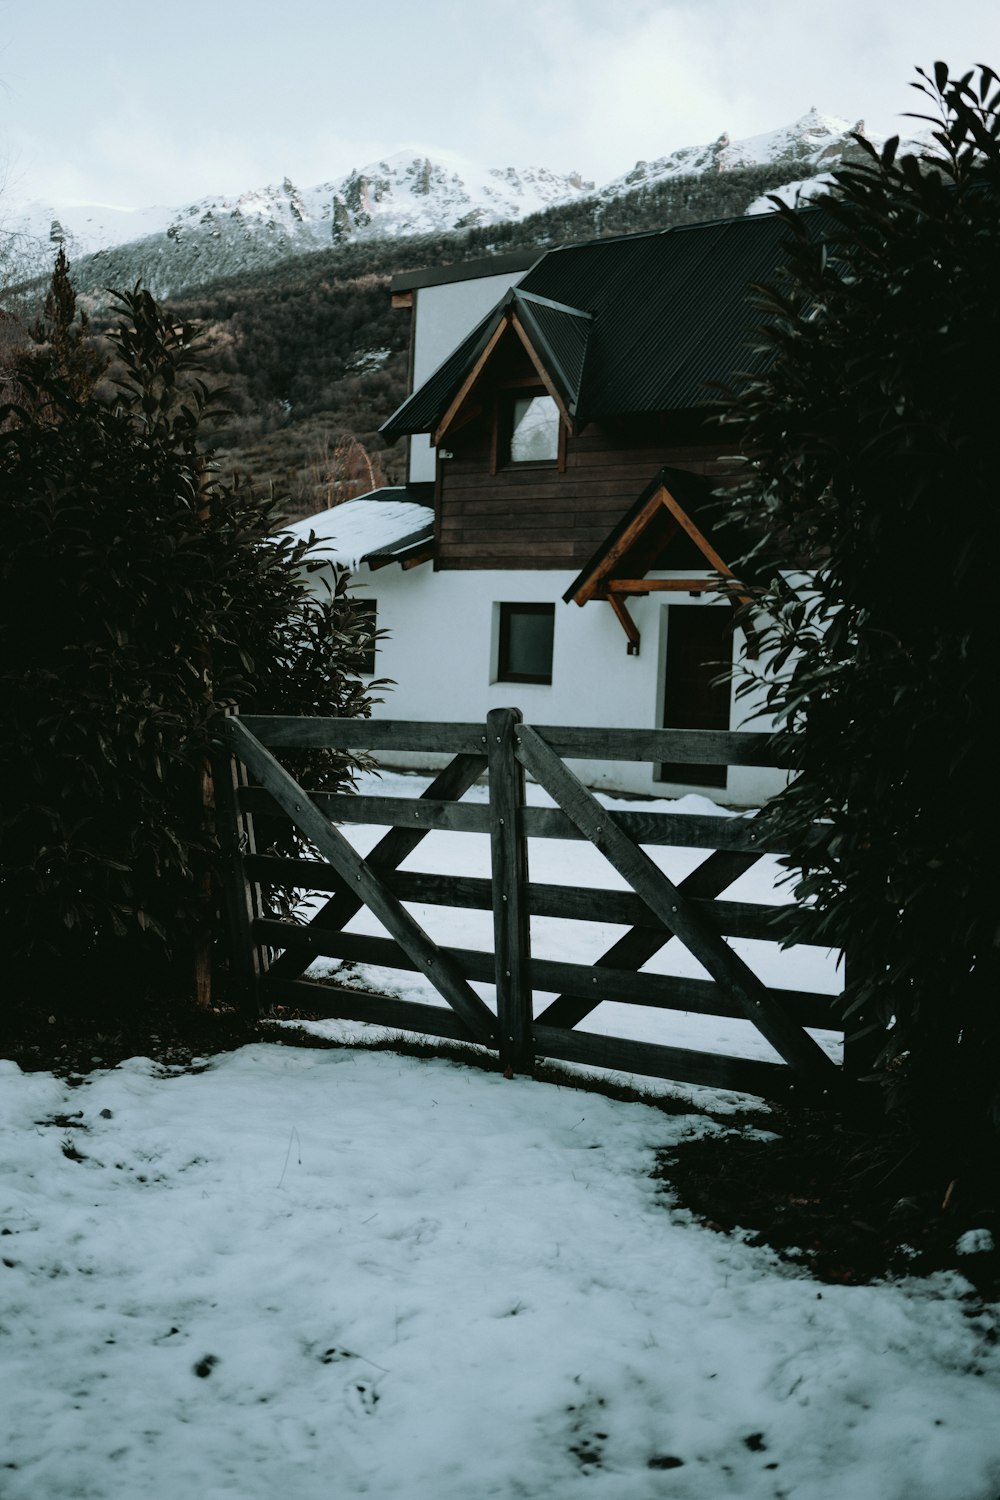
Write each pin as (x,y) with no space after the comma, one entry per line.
(135,104)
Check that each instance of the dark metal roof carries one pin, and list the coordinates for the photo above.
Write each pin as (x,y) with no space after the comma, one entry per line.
(559,334)
(671,315)
(465,270)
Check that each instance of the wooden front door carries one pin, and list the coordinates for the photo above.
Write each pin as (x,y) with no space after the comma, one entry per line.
(699,649)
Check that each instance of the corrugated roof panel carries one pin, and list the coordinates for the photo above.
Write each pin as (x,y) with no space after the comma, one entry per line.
(560,335)
(671,315)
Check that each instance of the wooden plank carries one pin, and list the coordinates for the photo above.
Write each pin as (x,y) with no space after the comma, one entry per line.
(745,1076)
(673,829)
(348,863)
(614,553)
(278,731)
(469,382)
(627,623)
(745,919)
(680,515)
(675,911)
(598,984)
(324,1001)
(709,747)
(391,850)
(640,586)
(362,948)
(509,863)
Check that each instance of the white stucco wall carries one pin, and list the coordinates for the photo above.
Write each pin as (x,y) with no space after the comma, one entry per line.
(441,651)
(443,315)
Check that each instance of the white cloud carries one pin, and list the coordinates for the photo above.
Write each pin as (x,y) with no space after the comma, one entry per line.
(310,90)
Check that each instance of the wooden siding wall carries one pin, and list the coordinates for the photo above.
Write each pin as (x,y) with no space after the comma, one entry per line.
(537,517)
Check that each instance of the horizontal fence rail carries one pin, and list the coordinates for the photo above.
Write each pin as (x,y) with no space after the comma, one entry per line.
(273,955)
(710,747)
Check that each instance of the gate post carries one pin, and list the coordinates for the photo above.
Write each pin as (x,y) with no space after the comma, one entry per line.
(240,896)
(511,928)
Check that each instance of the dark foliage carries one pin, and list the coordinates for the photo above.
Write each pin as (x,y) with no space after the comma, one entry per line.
(872,438)
(59,346)
(141,594)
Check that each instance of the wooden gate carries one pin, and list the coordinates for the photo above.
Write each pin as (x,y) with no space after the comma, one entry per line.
(272,956)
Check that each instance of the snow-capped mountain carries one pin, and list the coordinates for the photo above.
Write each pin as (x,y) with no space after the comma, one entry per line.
(169,249)
(814,144)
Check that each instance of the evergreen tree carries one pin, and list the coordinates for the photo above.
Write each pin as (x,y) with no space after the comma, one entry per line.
(63,348)
(140,594)
(873,458)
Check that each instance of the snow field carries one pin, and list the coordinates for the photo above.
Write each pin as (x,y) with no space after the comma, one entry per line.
(324,1274)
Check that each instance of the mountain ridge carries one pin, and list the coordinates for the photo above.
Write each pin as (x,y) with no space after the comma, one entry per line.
(401,196)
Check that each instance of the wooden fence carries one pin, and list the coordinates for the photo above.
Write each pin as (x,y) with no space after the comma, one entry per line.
(272,956)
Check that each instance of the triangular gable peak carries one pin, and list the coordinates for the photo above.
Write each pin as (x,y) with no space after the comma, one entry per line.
(554,337)
(660,522)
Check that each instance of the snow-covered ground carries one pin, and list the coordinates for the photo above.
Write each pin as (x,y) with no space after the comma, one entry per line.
(326,1274)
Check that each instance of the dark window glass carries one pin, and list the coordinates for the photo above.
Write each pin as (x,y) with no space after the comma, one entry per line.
(526,632)
(534,430)
(699,650)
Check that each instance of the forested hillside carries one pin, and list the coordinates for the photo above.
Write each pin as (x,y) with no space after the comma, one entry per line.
(315,358)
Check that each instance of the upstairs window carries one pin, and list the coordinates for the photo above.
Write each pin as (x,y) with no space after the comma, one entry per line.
(525,642)
(534,430)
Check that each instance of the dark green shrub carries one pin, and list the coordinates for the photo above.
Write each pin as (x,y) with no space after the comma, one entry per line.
(872,435)
(141,593)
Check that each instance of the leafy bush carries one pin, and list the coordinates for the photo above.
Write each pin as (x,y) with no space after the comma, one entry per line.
(871,439)
(141,594)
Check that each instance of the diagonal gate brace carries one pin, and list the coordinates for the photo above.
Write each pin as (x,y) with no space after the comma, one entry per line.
(637,946)
(387,856)
(675,911)
(431,961)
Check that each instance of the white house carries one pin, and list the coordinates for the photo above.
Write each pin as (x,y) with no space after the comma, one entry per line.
(555,547)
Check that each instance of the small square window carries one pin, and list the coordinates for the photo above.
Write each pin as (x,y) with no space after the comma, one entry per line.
(525,644)
(534,430)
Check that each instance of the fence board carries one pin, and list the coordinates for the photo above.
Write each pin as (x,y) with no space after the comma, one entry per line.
(651,1060)
(277,732)
(324,1001)
(679,830)
(695,746)
(509,860)
(746,919)
(711,747)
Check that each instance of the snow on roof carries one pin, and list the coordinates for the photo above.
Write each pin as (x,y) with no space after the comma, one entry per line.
(356,529)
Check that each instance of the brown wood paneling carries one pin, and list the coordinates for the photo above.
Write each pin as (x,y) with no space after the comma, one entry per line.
(541,517)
